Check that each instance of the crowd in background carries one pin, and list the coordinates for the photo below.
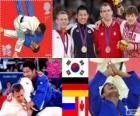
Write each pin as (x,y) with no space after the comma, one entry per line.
(15,65)
(93,7)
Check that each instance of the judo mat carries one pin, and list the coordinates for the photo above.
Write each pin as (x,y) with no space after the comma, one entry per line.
(8,13)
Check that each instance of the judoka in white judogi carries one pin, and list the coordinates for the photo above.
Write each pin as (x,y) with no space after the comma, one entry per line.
(21,28)
(12,108)
(58,46)
(29,89)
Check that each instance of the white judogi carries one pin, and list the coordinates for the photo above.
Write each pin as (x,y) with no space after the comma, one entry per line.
(117,81)
(19,36)
(28,88)
(12,108)
(28,23)
(58,47)
(51,111)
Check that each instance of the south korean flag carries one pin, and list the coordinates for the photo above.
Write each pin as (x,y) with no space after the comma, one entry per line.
(75,67)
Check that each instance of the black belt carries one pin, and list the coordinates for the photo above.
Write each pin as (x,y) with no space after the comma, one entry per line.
(21,19)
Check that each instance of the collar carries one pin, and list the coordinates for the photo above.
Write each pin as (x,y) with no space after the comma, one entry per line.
(62,33)
(130,26)
(82,26)
(112,24)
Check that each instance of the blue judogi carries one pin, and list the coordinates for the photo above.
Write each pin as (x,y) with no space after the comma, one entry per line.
(45,95)
(37,37)
(29,7)
(101,107)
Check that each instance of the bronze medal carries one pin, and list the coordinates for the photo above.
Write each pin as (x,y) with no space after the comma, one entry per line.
(107,49)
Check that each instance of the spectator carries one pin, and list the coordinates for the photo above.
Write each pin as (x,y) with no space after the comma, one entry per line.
(0,88)
(7,90)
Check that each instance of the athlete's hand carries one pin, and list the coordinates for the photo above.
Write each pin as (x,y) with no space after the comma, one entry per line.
(109,72)
(113,71)
(118,72)
(97,24)
(32,32)
(130,46)
(29,105)
(122,44)
(138,112)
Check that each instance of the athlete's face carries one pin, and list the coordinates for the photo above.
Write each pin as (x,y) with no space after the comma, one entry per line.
(34,45)
(62,21)
(19,96)
(131,19)
(38,29)
(110,89)
(27,72)
(82,17)
(106,13)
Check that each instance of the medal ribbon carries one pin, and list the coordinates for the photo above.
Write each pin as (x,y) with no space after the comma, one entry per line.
(108,35)
(83,35)
(64,38)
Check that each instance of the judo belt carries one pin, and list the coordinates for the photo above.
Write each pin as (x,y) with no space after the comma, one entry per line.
(21,19)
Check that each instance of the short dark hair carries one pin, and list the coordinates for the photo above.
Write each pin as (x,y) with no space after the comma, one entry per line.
(30,64)
(61,12)
(82,7)
(104,5)
(16,87)
(102,90)
(9,81)
(131,9)
(42,27)
(35,50)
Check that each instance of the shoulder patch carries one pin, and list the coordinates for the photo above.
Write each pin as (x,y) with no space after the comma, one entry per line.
(70,26)
(91,26)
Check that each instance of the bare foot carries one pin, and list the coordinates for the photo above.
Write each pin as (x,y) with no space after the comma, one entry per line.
(15,55)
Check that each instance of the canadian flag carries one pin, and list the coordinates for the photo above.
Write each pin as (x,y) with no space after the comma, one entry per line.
(81,106)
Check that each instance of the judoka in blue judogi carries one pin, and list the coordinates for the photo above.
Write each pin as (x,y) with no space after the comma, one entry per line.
(43,95)
(107,103)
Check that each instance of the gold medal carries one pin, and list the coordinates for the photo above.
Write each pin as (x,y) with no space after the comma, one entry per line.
(84,49)
(107,49)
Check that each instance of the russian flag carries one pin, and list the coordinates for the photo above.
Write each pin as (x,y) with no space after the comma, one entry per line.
(68,103)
